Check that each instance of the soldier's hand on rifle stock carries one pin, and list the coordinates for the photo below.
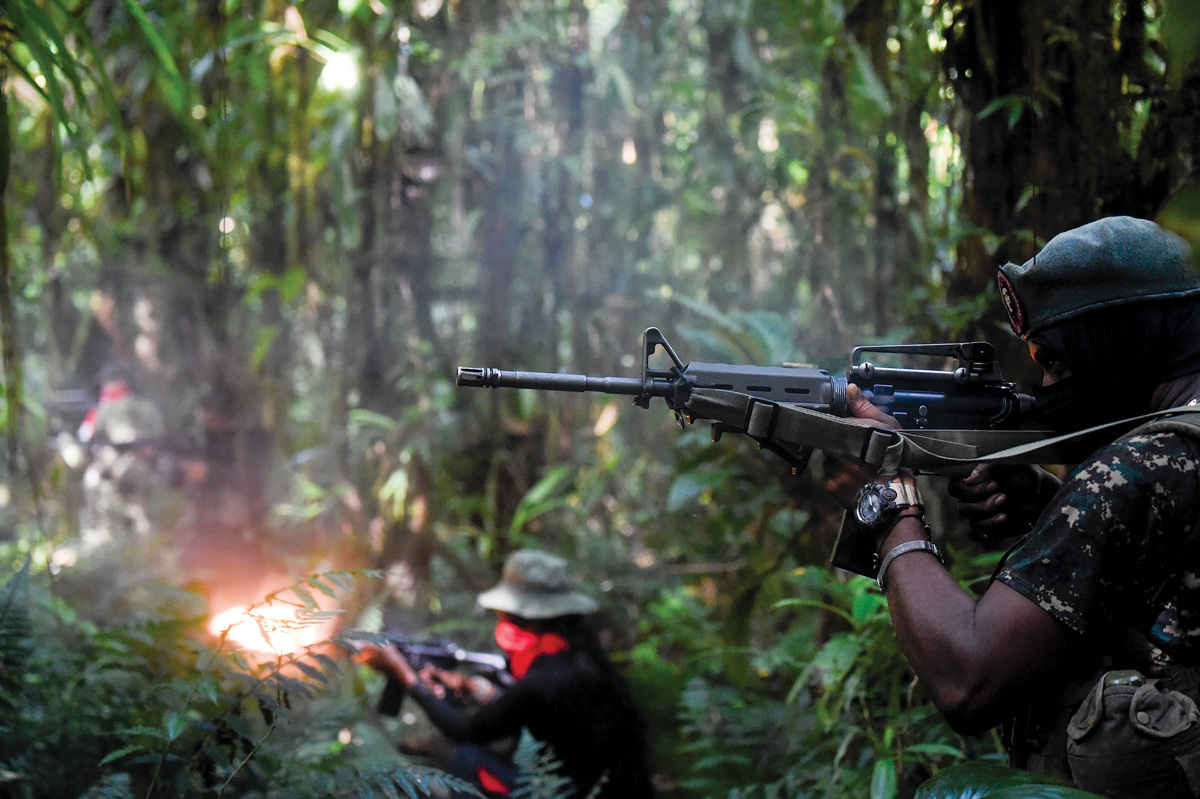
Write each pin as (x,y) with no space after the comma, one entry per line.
(845,475)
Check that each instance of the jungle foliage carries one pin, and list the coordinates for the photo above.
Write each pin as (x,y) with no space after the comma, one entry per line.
(300,217)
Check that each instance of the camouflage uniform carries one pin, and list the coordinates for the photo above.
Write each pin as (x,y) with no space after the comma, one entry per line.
(1115,545)
(1114,559)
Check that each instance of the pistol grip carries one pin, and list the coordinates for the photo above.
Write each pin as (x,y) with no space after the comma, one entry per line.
(392,698)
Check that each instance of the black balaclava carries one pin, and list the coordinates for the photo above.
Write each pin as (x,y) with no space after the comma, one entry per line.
(1117,357)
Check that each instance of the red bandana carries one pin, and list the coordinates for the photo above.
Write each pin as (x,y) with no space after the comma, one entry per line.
(525,646)
(109,392)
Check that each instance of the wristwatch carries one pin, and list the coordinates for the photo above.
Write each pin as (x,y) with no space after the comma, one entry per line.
(878,504)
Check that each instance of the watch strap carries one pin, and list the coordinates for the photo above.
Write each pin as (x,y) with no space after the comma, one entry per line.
(907,494)
(920,545)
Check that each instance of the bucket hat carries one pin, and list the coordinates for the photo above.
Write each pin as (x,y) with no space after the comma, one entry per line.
(536,585)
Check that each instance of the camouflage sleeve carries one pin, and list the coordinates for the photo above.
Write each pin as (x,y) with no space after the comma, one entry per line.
(1112,535)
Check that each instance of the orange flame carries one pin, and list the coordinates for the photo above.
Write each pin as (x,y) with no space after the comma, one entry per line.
(272,630)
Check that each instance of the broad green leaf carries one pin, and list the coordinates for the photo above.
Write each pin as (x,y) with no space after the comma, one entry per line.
(367,418)
(174,724)
(262,346)
(176,88)
(866,606)
(935,750)
(883,780)
(687,487)
(395,490)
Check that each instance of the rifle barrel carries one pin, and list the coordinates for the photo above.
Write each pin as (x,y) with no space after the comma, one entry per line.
(481,376)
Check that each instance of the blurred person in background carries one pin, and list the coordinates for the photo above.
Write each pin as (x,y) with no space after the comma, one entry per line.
(122,436)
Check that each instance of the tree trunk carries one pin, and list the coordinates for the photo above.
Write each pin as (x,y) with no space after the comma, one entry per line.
(1051,96)
(9,341)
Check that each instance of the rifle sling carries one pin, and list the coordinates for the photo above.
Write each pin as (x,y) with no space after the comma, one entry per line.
(947,452)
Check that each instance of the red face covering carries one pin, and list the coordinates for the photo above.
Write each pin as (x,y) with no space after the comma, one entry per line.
(525,646)
(111,391)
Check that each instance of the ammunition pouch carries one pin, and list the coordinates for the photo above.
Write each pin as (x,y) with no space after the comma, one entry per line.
(1133,737)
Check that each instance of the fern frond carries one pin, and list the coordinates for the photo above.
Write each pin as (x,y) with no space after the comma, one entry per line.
(299,593)
(16,631)
(540,774)
(416,782)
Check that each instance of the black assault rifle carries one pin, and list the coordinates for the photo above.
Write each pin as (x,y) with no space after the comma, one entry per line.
(971,396)
(441,654)
(951,418)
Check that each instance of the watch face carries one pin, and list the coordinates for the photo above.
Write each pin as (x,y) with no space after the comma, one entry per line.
(870,507)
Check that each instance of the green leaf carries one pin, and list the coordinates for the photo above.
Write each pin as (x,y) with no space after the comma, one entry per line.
(122,752)
(260,285)
(176,85)
(102,83)
(935,750)
(16,632)
(866,606)
(690,485)
(1181,35)
(883,780)
(311,671)
(871,86)
(983,778)
(545,487)
(328,663)
(146,732)
(36,31)
(291,283)
(318,583)
(347,580)
(262,346)
(395,490)
(174,724)
(1010,104)
(368,418)
(306,596)
(837,657)
(539,500)
(812,603)
(351,7)
(241,726)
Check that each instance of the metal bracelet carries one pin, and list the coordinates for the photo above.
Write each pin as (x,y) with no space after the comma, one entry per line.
(920,545)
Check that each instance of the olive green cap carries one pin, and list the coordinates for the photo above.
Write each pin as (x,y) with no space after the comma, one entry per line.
(1109,262)
(537,585)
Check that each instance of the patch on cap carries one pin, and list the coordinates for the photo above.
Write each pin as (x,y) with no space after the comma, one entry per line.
(1012,303)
